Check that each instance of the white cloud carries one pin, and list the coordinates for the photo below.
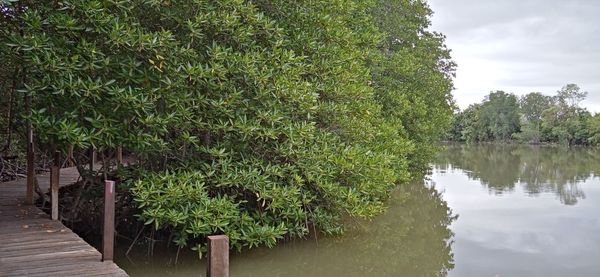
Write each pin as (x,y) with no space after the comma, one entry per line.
(521,46)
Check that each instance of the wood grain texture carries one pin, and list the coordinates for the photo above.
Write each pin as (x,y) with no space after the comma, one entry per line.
(31,244)
(108,225)
(218,256)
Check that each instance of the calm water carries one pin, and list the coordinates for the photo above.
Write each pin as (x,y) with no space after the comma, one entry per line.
(484,211)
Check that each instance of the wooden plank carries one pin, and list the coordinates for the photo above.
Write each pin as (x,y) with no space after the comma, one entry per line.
(32,259)
(34,241)
(63,246)
(68,270)
(65,268)
(84,256)
(56,261)
(42,244)
(31,244)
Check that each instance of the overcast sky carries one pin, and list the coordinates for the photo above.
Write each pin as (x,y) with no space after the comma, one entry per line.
(521,46)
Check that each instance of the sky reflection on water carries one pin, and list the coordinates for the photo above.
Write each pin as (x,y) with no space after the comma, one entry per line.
(494,210)
(523,211)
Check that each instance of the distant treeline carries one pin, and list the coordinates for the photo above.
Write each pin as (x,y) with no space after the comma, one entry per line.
(533,118)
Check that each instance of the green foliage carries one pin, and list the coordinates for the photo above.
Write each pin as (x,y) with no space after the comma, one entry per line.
(499,115)
(465,125)
(256,119)
(564,121)
(594,129)
(496,119)
(181,201)
(532,106)
(570,96)
(537,118)
(412,76)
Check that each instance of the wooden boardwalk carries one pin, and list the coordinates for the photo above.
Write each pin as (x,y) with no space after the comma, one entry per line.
(31,244)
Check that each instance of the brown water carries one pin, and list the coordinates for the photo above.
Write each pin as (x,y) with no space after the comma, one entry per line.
(522,211)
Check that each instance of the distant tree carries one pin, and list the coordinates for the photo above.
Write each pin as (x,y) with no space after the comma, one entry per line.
(465,125)
(532,107)
(457,125)
(570,96)
(594,130)
(499,116)
(534,118)
(565,122)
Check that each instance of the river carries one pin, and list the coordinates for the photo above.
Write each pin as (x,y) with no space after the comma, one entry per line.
(489,210)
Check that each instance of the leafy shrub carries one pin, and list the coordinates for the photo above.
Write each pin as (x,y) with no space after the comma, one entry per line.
(257,119)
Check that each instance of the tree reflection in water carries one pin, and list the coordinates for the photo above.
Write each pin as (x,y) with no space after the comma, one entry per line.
(412,238)
(537,169)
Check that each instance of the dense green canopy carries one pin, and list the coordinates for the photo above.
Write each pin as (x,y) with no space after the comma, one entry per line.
(534,118)
(257,119)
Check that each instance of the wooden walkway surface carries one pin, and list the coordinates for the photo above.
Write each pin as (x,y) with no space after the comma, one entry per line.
(31,244)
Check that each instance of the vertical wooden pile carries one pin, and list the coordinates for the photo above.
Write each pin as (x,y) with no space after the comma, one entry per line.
(218,256)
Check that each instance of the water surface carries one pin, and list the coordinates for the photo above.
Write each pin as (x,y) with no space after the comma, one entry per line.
(484,211)
(524,211)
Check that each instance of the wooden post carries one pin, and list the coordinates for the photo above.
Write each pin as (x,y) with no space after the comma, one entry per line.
(54,184)
(30,167)
(92,157)
(108,234)
(70,157)
(218,256)
(30,153)
(120,155)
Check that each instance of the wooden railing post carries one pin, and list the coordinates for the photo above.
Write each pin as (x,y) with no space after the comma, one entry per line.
(30,154)
(30,174)
(92,157)
(108,233)
(218,256)
(54,184)
(120,155)
(70,157)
